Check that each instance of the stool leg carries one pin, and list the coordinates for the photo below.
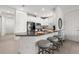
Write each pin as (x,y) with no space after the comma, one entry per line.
(52,51)
(57,47)
(62,42)
(38,50)
(42,51)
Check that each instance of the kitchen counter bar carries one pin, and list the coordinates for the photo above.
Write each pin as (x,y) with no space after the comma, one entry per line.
(27,44)
(24,34)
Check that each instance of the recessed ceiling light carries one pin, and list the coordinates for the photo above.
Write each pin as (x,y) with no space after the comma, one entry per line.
(43,9)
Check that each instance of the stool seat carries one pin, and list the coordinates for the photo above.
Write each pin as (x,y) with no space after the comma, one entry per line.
(53,39)
(44,46)
(58,36)
(44,43)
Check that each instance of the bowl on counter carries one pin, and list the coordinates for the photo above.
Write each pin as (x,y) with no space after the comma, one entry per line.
(39,33)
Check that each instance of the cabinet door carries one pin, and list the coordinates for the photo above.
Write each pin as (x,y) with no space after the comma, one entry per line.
(27,45)
(21,19)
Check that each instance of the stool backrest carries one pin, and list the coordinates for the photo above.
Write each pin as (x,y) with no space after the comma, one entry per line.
(60,33)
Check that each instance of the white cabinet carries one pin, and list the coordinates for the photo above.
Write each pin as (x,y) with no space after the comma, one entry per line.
(27,45)
(21,19)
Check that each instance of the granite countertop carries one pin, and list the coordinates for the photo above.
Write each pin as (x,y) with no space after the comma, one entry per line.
(25,34)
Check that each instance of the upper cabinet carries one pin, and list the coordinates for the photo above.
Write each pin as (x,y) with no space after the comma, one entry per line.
(21,20)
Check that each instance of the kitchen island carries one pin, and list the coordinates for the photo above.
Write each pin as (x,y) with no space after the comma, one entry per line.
(27,44)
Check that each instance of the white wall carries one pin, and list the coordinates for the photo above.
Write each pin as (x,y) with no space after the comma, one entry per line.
(13,21)
(9,23)
(72,25)
(0,25)
(21,19)
(59,14)
(8,19)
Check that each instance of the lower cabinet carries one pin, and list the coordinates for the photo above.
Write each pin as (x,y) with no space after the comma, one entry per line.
(27,45)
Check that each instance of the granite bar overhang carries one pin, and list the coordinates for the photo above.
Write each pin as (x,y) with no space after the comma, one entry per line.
(25,34)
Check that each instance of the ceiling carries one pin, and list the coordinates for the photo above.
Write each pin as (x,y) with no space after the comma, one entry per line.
(48,9)
(43,10)
(69,8)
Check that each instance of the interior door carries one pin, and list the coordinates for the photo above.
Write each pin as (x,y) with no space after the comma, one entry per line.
(72,26)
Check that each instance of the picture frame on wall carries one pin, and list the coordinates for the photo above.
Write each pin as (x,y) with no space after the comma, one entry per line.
(60,23)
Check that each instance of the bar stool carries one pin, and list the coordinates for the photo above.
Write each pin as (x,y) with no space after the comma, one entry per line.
(55,42)
(59,38)
(44,46)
